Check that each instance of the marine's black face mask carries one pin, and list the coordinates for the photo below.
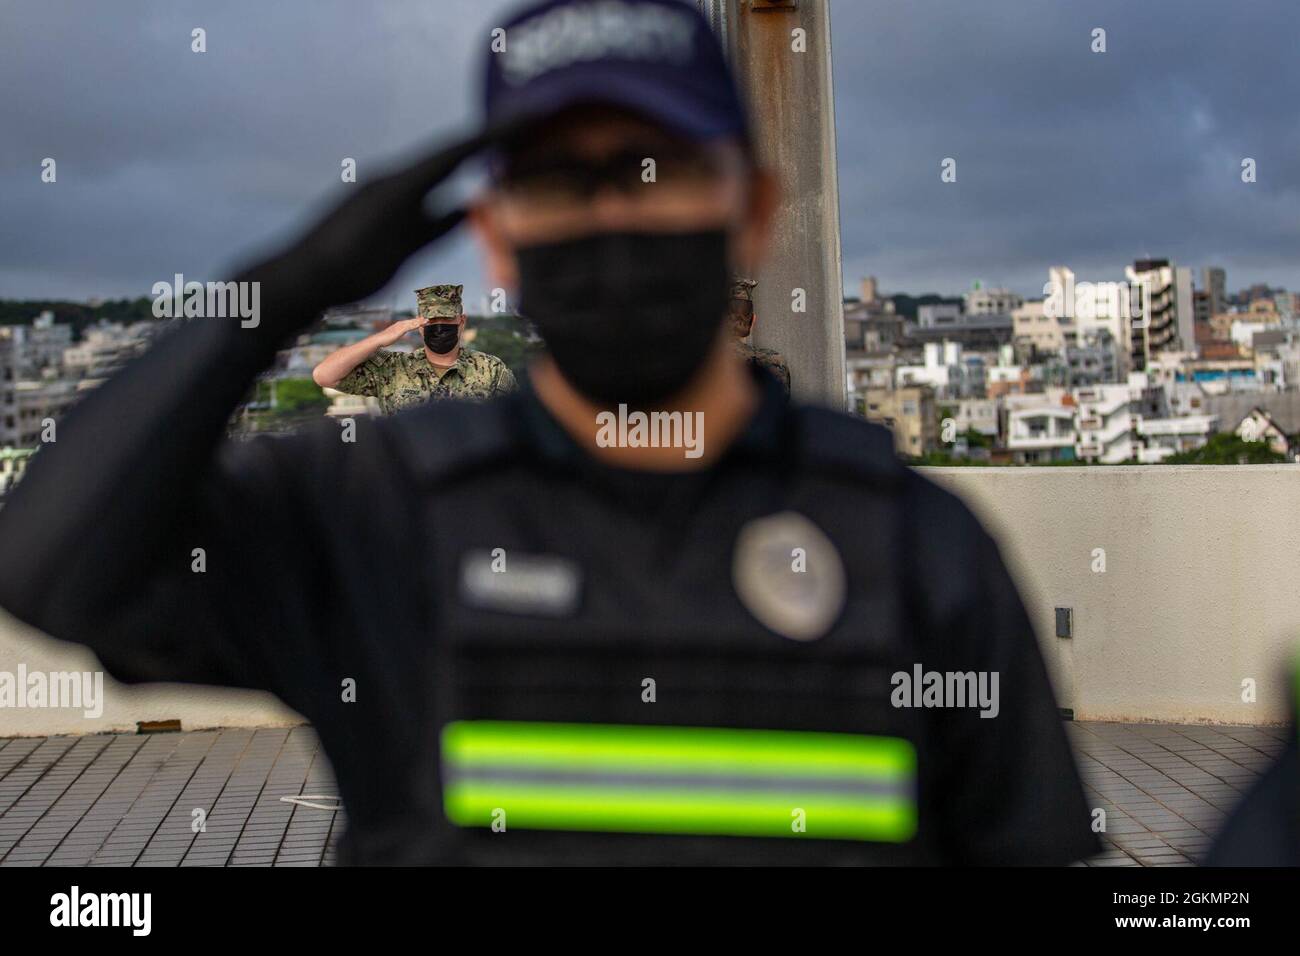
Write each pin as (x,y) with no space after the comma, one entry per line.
(627,316)
(441,338)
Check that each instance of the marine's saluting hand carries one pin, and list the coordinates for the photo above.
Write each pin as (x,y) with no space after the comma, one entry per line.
(400,328)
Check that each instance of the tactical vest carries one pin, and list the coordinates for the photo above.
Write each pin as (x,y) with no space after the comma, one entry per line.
(618,702)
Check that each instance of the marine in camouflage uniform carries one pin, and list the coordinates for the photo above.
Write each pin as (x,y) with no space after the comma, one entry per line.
(402,379)
(742,318)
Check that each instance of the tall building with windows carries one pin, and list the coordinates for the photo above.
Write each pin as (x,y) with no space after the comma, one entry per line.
(35,402)
(1032,325)
(1091,357)
(1214,283)
(1093,311)
(1169,310)
(909,413)
(37,349)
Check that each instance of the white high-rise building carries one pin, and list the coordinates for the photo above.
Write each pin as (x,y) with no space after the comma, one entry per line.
(38,346)
(1169,310)
(1092,311)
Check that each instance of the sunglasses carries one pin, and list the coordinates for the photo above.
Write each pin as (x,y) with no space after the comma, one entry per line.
(568,177)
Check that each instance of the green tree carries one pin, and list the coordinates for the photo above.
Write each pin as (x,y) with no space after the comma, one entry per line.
(1228,448)
(505,342)
(78,314)
(295,395)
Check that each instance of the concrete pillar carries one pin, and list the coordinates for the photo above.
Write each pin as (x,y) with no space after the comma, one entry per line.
(793,108)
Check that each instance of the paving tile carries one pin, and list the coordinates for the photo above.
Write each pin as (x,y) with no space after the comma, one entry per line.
(129,800)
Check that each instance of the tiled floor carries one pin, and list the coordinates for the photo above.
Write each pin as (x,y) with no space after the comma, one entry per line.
(126,799)
(1165,788)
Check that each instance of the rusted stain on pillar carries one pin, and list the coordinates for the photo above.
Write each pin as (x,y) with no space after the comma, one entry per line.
(792,104)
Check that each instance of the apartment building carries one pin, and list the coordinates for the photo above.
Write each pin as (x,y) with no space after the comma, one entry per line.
(1092,357)
(1030,323)
(938,314)
(1138,421)
(37,349)
(1162,437)
(105,348)
(1214,282)
(1010,380)
(981,301)
(1107,423)
(865,370)
(943,370)
(978,414)
(909,413)
(27,407)
(1088,309)
(1039,428)
(1168,310)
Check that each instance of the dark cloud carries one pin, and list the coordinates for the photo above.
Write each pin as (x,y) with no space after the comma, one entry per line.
(1065,155)
(171,161)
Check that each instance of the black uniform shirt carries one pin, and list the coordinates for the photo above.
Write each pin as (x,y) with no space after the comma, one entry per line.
(341,575)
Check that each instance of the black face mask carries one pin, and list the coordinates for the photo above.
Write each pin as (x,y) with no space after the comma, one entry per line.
(628,317)
(441,338)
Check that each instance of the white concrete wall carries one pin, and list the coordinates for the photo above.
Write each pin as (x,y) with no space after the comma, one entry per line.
(195,706)
(1201,589)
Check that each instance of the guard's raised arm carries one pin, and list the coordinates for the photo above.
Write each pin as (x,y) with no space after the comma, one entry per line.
(107,511)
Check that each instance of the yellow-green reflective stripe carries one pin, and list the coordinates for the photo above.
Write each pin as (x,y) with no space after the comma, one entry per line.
(490,741)
(679,780)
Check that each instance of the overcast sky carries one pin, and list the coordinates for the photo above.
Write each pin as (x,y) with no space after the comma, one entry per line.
(171,161)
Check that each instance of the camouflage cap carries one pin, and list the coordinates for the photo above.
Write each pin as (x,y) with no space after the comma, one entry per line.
(439,301)
(742,288)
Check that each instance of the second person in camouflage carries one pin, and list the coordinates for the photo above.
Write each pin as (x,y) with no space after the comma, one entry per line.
(442,369)
(740,315)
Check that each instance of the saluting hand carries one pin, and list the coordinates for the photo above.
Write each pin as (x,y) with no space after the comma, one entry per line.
(400,328)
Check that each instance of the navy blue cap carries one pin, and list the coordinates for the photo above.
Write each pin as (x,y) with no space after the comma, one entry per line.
(658,58)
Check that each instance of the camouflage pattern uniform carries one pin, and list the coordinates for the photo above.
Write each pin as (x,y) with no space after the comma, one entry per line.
(769,359)
(402,379)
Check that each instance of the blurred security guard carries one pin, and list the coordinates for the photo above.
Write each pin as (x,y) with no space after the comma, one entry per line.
(740,319)
(442,369)
(601,648)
